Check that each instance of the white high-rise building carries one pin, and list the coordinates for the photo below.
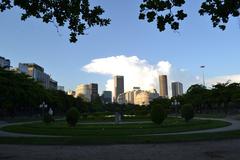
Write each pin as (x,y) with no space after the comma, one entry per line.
(138,97)
(84,91)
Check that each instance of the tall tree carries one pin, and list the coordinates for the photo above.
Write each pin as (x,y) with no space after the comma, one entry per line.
(197,96)
(170,12)
(77,13)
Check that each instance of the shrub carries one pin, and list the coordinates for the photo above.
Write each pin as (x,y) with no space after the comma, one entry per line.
(158,113)
(48,118)
(187,112)
(72,116)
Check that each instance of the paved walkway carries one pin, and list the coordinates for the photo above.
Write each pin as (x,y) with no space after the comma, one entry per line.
(10,134)
(204,150)
(235,125)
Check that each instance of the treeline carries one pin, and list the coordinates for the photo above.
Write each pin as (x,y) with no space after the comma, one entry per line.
(20,95)
(220,98)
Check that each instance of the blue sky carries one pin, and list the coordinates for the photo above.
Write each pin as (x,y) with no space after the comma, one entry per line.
(195,44)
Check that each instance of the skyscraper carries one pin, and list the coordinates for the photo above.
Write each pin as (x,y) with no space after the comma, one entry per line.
(83,90)
(4,63)
(163,86)
(87,91)
(107,97)
(118,86)
(177,89)
(38,74)
(94,91)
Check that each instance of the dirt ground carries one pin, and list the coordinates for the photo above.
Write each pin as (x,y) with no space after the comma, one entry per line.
(212,150)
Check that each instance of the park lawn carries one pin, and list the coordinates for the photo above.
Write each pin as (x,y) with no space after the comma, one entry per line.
(90,131)
(219,115)
(119,139)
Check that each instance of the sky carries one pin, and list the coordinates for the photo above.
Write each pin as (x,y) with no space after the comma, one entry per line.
(128,46)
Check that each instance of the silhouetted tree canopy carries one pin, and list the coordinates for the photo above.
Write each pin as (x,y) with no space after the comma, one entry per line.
(171,12)
(79,15)
(21,95)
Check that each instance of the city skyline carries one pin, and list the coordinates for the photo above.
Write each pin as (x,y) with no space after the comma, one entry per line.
(90,91)
(164,67)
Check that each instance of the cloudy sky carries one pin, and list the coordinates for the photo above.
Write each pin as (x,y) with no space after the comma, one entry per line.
(128,47)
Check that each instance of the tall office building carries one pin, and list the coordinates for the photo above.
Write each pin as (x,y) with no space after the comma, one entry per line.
(33,70)
(94,91)
(177,89)
(138,97)
(118,86)
(4,63)
(37,73)
(83,90)
(163,85)
(53,84)
(107,97)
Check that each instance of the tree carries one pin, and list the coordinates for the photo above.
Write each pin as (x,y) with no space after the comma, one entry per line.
(77,13)
(163,12)
(97,105)
(159,109)
(20,95)
(158,113)
(197,95)
(224,93)
(221,97)
(72,116)
(187,112)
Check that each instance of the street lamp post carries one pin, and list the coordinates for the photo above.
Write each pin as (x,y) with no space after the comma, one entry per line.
(43,106)
(203,75)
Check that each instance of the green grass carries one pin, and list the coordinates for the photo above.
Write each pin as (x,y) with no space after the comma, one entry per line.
(112,119)
(25,119)
(87,134)
(119,139)
(214,115)
(90,118)
(60,128)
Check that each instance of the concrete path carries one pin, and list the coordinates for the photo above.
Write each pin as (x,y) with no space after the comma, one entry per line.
(235,125)
(205,150)
(10,134)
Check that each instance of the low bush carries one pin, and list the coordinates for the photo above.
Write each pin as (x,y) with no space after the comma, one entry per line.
(187,112)
(72,116)
(48,118)
(158,113)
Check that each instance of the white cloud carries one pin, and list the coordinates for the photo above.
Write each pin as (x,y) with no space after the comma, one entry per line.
(223,79)
(140,73)
(136,72)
